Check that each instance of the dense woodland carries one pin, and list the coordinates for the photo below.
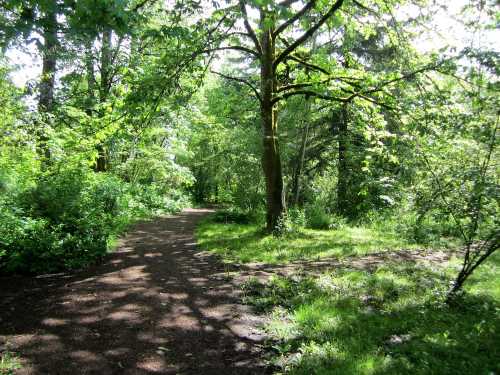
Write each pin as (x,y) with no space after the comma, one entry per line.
(295,119)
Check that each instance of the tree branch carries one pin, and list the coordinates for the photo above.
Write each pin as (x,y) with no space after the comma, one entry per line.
(241,80)
(286,3)
(362,95)
(310,93)
(248,27)
(308,33)
(308,64)
(141,4)
(236,48)
(294,18)
(362,6)
(403,77)
(295,86)
(371,100)
(303,84)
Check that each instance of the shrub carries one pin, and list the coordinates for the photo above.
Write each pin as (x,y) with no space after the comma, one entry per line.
(317,217)
(63,222)
(297,217)
(65,219)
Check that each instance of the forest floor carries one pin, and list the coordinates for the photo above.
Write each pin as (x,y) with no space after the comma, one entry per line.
(160,304)
(360,300)
(156,305)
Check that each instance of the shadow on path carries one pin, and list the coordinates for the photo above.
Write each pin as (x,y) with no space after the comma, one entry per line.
(156,305)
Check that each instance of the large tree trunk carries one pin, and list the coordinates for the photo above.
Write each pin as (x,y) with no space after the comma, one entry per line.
(47,80)
(271,162)
(105,65)
(49,59)
(343,168)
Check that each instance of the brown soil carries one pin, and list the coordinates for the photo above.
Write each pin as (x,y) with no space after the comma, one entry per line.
(262,272)
(156,305)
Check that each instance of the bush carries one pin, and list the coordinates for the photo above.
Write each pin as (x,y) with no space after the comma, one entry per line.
(297,217)
(66,218)
(317,217)
(63,222)
(152,197)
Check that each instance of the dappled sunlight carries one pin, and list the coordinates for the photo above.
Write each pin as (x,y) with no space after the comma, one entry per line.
(382,322)
(54,322)
(150,308)
(247,243)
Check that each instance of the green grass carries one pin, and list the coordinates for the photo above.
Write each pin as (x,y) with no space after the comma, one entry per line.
(8,363)
(246,243)
(389,321)
(487,278)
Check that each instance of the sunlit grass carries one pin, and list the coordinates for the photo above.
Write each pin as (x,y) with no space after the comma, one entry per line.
(8,363)
(389,321)
(246,243)
(487,277)
(392,321)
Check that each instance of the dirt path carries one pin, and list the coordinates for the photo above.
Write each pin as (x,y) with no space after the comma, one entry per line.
(157,305)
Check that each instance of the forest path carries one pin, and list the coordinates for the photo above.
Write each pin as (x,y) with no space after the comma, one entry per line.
(156,305)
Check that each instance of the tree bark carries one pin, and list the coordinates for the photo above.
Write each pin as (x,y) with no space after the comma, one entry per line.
(343,168)
(271,162)
(49,60)
(300,165)
(47,80)
(105,65)
(89,67)
(101,164)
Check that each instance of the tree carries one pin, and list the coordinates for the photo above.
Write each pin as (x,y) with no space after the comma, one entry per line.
(25,20)
(280,44)
(265,37)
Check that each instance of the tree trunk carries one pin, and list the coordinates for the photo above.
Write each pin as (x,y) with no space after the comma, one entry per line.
(47,80)
(271,162)
(300,165)
(343,168)
(89,67)
(49,59)
(101,164)
(105,65)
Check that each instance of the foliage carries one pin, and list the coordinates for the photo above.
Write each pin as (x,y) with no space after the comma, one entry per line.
(224,149)
(231,216)
(317,217)
(325,117)
(60,214)
(65,221)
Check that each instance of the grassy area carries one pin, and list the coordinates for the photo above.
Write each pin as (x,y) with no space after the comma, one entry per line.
(246,243)
(389,321)
(8,363)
